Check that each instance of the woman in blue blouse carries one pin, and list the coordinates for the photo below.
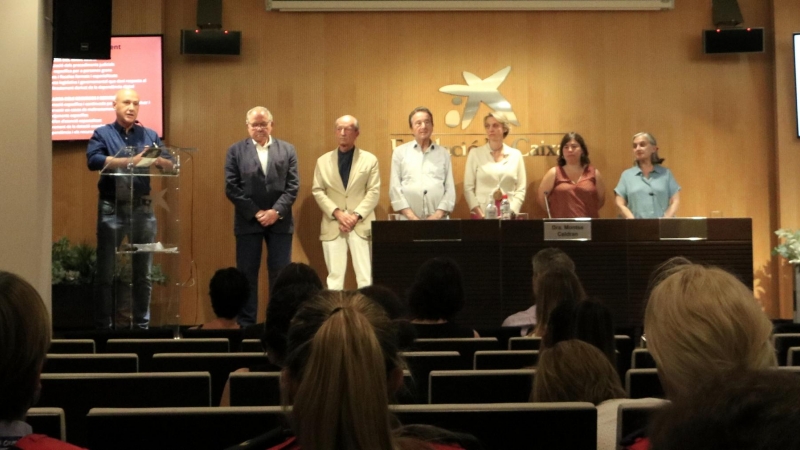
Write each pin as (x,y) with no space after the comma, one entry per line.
(647,190)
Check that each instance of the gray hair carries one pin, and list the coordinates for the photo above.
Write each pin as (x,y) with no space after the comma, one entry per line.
(355,121)
(257,109)
(654,158)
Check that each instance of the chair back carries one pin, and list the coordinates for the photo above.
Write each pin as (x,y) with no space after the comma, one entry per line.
(505,359)
(146,348)
(77,393)
(525,343)
(642,359)
(480,386)
(783,342)
(234,336)
(219,365)
(71,346)
(47,421)
(466,347)
(179,428)
(255,388)
(537,426)
(420,365)
(91,363)
(643,383)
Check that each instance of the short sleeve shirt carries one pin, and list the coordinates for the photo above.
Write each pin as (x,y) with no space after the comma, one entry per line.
(647,197)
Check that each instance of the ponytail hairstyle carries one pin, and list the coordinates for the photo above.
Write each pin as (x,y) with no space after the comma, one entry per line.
(341,351)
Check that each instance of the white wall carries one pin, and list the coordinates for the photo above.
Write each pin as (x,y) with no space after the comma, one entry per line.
(25,145)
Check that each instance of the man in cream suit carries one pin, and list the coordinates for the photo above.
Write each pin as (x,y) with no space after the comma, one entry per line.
(347,185)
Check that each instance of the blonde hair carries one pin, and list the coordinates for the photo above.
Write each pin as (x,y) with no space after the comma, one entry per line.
(24,340)
(702,320)
(341,349)
(575,371)
(500,117)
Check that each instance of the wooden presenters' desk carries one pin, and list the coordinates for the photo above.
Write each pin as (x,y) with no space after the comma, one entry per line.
(495,257)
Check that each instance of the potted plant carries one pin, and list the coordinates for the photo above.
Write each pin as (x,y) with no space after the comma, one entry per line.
(789,248)
(72,279)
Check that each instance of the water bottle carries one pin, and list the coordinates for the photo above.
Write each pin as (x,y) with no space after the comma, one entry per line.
(505,208)
(491,209)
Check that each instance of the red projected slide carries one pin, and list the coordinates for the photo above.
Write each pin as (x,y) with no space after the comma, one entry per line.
(83,89)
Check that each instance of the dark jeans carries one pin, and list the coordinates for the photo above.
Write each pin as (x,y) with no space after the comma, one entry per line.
(248,260)
(115,222)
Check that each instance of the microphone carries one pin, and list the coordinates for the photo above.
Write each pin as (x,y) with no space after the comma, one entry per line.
(425,204)
(547,204)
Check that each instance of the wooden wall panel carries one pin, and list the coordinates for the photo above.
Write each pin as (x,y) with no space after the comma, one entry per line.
(787,148)
(606,75)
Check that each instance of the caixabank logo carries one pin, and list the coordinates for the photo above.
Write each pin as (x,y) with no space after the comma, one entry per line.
(478,90)
(487,91)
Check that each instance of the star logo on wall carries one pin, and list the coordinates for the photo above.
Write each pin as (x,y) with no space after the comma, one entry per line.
(478,90)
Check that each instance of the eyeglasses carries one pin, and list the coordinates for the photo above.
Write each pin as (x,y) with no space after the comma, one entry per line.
(259,126)
(420,123)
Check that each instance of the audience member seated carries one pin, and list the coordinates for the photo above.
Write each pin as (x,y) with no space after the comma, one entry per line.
(742,410)
(294,273)
(659,274)
(435,298)
(24,340)
(282,306)
(228,290)
(700,322)
(589,321)
(551,288)
(341,366)
(397,311)
(543,260)
(576,371)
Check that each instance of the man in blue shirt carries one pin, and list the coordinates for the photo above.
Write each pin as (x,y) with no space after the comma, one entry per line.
(120,214)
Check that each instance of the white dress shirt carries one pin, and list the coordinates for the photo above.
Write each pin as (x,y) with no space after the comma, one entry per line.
(422,181)
(263,154)
(484,175)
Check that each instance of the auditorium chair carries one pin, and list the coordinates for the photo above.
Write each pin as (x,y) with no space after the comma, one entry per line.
(71,346)
(212,428)
(505,359)
(642,359)
(146,348)
(502,334)
(47,421)
(783,342)
(234,336)
(219,365)
(100,337)
(420,364)
(635,416)
(643,383)
(77,393)
(255,389)
(466,347)
(525,343)
(91,363)
(252,346)
(480,386)
(537,426)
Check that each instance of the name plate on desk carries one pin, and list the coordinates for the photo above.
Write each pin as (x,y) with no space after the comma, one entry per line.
(568,231)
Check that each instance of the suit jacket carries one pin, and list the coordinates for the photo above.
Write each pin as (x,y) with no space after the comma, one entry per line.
(250,190)
(361,196)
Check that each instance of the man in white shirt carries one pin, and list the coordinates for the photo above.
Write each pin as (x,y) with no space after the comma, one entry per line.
(347,186)
(421,184)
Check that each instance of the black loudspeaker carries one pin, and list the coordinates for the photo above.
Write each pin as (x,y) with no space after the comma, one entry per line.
(733,40)
(82,29)
(210,42)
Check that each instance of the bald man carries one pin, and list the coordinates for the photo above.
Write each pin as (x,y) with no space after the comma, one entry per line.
(120,216)
(347,185)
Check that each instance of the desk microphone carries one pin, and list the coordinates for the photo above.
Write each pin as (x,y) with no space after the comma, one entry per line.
(547,204)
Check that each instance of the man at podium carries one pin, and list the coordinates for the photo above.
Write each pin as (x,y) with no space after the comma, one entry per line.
(119,215)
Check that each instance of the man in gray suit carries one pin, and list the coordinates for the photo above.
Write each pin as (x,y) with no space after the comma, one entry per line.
(261,181)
